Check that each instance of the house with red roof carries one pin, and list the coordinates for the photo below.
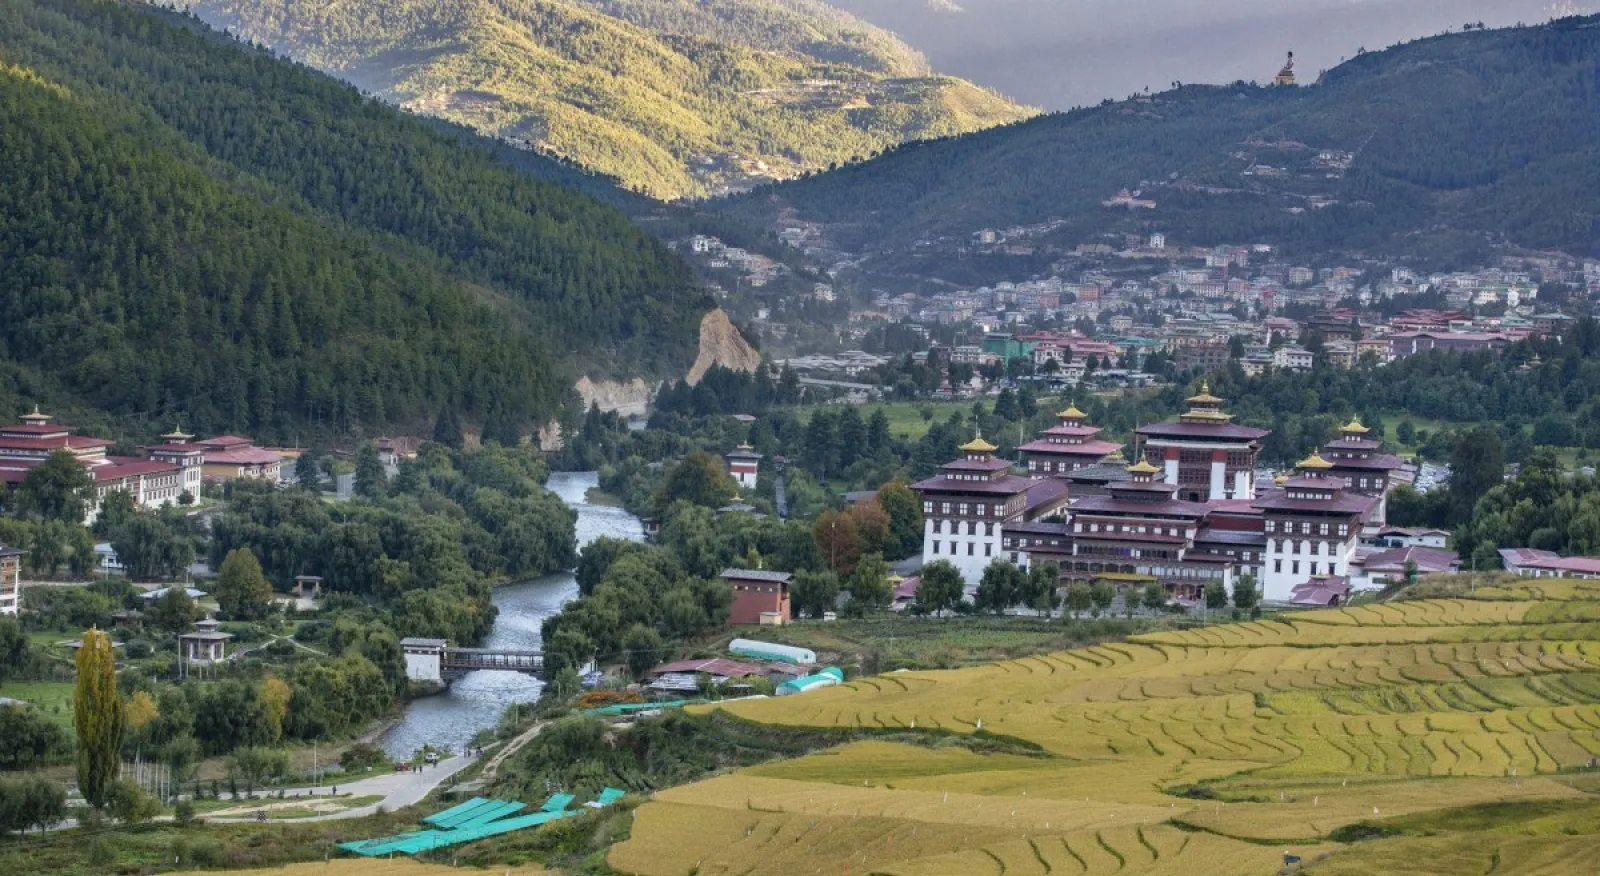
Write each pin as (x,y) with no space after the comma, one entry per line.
(152,482)
(228,457)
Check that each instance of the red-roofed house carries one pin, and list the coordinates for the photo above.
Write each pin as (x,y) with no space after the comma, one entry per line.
(153,482)
(228,457)
(1531,563)
(1324,592)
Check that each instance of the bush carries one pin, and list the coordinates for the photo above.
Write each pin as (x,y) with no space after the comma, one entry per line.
(183,813)
(129,804)
(1361,830)
(361,756)
(138,649)
(29,740)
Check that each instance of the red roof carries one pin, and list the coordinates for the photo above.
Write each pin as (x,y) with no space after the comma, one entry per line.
(1224,431)
(244,456)
(718,666)
(1045,492)
(34,429)
(1321,591)
(1008,485)
(222,441)
(1110,505)
(1427,560)
(127,467)
(1349,503)
(1586,565)
(1096,449)
(56,443)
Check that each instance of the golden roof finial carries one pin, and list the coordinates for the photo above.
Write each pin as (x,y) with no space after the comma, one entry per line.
(1205,397)
(1315,462)
(1354,427)
(978,445)
(1072,413)
(1143,467)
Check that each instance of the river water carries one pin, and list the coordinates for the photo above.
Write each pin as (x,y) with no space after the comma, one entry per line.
(476,701)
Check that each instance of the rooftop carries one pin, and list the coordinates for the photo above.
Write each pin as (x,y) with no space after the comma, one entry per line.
(756,575)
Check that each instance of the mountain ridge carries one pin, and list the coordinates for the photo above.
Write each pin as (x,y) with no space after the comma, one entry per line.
(1489,133)
(671,97)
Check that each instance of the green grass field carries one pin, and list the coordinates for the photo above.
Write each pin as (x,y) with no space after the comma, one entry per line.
(1439,736)
(51,698)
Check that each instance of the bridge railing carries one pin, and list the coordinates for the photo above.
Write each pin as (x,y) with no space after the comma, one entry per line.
(483,658)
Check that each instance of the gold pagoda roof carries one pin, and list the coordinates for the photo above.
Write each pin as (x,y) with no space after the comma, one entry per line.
(978,445)
(1205,397)
(1315,462)
(1354,427)
(1072,413)
(1143,466)
(1280,480)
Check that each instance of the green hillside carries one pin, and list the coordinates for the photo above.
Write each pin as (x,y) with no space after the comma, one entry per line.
(190,228)
(1459,139)
(672,97)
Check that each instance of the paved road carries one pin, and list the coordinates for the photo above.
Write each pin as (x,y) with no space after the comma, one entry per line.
(399,790)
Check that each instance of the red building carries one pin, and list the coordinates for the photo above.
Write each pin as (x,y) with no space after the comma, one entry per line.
(759,597)
(1364,466)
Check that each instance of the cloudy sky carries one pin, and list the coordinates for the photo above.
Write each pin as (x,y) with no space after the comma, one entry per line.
(1063,53)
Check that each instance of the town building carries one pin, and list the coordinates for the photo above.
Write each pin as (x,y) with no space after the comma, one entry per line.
(1066,447)
(1313,526)
(424,658)
(966,506)
(1364,466)
(229,457)
(177,450)
(10,580)
(1205,454)
(759,597)
(1534,563)
(743,464)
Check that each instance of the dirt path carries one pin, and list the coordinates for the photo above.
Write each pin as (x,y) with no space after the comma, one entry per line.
(492,768)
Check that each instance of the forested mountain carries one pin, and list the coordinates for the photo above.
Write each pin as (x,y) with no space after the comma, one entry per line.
(673,97)
(192,228)
(1490,134)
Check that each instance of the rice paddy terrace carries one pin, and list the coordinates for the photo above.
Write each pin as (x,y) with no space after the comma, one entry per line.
(1438,736)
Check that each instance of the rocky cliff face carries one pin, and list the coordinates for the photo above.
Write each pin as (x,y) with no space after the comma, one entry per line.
(721,344)
(631,399)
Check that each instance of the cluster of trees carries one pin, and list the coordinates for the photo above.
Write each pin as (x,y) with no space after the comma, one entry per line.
(220,228)
(426,546)
(1543,507)
(726,391)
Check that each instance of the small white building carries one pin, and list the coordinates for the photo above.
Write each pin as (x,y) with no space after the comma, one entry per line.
(1293,358)
(744,464)
(206,644)
(424,658)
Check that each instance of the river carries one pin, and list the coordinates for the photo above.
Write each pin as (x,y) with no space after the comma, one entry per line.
(476,701)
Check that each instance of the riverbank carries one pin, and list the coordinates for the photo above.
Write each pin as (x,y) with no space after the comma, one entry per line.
(451,718)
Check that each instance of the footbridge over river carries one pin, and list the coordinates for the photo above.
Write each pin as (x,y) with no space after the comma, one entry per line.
(435,660)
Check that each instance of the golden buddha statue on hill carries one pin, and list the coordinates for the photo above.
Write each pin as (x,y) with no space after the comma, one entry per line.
(1286,75)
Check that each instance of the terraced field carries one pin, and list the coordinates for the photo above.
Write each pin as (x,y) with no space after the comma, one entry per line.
(1213,750)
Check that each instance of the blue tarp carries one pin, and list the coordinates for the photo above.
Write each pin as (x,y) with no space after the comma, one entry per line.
(474,820)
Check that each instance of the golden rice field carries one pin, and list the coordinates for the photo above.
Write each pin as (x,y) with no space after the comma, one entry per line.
(1212,750)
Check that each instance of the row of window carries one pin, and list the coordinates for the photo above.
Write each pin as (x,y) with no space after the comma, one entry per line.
(1303,546)
(1126,527)
(955,548)
(1277,566)
(1305,528)
(963,509)
(955,527)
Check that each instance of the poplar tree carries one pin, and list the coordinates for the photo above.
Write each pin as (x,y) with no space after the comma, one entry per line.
(98,717)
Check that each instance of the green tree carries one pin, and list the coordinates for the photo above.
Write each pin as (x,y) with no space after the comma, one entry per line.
(256,765)
(1079,599)
(1154,598)
(57,489)
(1216,595)
(308,470)
(1000,587)
(1043,587)
(905,517)
(814,592)
(151,546)
(940,586)
(642,647)
(699,479)
(371,480)
(30,801)
(1477,463)
(1245,594)
(1102,594)
(128,803)
(97,717)
(14,649)
(869,583)
(174,610)
(29,739)
(241,590)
